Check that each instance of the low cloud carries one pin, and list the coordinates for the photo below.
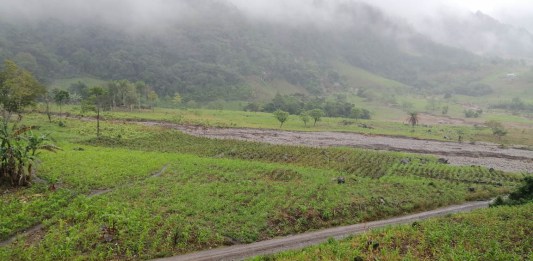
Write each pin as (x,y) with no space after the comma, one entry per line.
(144,13)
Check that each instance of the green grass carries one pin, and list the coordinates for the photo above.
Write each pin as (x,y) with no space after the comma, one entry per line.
(23,208)
(360,78)
(212,193)
(241,119)
(501,233)
(389,121)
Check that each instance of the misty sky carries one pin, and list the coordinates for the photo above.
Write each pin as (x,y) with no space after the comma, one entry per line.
(515,12)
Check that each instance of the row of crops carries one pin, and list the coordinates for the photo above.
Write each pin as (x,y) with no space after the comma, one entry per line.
(356,162)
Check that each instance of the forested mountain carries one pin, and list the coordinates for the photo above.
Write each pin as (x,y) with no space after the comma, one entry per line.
(211,52)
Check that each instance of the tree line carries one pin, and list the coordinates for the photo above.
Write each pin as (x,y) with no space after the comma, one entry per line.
(121,94)
(298,104)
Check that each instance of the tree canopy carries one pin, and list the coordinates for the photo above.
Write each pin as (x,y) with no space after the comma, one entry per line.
(18,88)
(281,116)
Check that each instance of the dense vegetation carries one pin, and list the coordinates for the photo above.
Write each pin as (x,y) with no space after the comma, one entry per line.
(298,103)
(212,54)
(171,193)
(524,194)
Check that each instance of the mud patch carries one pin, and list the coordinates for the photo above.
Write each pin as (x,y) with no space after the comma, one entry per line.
(489,155)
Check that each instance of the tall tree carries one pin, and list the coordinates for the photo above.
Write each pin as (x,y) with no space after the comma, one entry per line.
(47,100)
(304,116)
(176,99)
(95,102)
(316,114)
(18,89)
(281,116)
(61,97)
(152,98)
(142,92)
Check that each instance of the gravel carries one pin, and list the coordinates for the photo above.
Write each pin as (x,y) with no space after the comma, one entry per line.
(480,154)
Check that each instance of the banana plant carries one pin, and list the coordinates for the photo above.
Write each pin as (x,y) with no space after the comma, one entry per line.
(19,149)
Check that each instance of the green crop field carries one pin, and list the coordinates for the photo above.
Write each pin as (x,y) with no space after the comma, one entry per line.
(143,192)
(138,130)
(501,233)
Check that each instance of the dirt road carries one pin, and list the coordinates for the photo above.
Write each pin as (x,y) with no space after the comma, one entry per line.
(480,154)
(240,252)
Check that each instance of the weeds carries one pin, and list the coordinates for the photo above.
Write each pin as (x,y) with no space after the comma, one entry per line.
(481,235)
(215,192)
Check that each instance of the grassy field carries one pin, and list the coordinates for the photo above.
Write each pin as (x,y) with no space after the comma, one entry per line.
(242,119)
(385,98)
(501,233)
(170,193)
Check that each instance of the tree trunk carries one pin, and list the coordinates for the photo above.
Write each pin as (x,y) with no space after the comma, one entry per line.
(97,122)
(48,111)
(114,102)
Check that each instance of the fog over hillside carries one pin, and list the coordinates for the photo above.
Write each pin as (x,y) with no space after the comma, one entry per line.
(455,23)
(514,12)
(210,49)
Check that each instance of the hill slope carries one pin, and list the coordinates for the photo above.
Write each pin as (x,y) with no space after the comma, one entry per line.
(215,51)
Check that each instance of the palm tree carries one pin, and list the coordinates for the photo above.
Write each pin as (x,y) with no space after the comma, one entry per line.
(413,118)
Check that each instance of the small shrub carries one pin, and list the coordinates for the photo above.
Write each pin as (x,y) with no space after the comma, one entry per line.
(473,113)
(522,195)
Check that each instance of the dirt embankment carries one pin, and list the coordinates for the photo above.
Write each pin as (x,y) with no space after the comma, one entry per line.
(480,154)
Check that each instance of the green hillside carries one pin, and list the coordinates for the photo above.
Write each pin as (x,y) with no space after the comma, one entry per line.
(227,55)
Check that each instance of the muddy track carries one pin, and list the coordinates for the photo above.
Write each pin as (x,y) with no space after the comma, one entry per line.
(480,154)
(240,252)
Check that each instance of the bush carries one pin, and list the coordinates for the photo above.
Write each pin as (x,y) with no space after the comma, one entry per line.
(497,128)
(473,113)
(253,107)
(522,195)
(360,113)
